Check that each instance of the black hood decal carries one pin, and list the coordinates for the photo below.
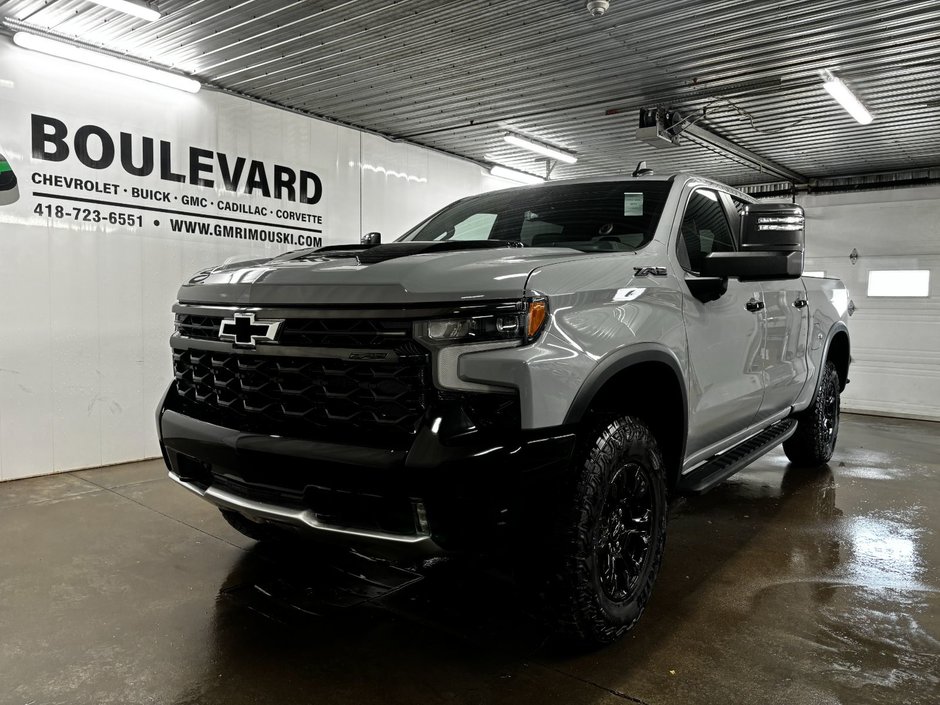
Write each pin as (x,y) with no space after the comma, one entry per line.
(373,254)
(394,250)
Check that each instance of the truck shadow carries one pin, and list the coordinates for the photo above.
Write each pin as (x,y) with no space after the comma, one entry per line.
(342,624)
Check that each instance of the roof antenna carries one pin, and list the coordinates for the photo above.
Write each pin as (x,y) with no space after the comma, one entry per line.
(642,170)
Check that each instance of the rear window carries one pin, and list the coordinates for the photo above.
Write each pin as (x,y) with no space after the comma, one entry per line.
(598,217)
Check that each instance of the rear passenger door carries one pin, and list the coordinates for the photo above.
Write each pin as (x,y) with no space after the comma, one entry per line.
(785,368)
(786,321)
(725,336)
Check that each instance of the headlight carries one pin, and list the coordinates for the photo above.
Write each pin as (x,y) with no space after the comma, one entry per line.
(476,329)
(521,322)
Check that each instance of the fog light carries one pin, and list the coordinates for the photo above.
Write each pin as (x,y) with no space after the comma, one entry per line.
(421,519)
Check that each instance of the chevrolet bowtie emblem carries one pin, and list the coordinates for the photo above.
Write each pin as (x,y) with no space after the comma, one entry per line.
(243,329)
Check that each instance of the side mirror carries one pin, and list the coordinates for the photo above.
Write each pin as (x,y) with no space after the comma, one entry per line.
(371,239)
(771,245)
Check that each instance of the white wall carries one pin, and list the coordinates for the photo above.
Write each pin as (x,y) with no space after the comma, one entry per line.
(86,317)
(895,341)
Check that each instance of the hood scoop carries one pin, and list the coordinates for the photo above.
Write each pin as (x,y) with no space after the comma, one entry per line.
(394,250)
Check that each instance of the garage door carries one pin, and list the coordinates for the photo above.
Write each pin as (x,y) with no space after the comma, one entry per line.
(894,284)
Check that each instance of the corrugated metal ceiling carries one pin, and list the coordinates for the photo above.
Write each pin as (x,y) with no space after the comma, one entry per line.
(456,75)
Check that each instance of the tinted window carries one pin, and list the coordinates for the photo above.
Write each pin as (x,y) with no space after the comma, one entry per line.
(598,217)
(475,227)
(704,229)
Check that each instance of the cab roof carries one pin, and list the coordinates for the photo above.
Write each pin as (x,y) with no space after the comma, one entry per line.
(681,178)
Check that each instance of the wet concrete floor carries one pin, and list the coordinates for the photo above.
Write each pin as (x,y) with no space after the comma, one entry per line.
(780,586)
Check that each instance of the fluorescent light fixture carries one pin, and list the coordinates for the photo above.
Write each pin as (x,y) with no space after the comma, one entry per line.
(845,97)
(539,148)
(130,8)
(521,177)
(104,61)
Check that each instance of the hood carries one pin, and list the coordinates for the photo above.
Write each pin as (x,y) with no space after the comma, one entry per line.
(396,273)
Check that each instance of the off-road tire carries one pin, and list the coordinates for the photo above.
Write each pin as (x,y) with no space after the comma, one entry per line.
(253,529)
(585,602)
(818,426)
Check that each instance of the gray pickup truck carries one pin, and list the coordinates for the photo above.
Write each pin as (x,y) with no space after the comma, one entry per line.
(538,367)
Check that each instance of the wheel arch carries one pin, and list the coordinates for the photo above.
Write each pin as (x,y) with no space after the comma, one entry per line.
(644,380)
(838,351)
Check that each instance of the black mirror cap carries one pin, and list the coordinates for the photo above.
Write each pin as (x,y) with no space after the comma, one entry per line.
(707,289)
(371,239)
(772,227)
(754,266)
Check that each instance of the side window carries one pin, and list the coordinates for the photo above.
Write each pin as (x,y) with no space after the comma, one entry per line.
(704,230)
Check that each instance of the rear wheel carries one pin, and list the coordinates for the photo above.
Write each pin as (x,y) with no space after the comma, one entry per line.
(612,534)
(818,426)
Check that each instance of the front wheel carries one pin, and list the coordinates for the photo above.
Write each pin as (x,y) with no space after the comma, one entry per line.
(612,534)
(814,441)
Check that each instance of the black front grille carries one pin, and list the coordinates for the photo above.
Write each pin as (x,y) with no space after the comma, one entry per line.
(304,397)
(345,333)
(199,327)
(312,332)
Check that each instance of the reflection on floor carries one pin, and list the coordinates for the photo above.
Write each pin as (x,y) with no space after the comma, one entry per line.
(780,586)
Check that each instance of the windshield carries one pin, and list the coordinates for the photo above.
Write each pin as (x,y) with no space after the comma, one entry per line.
(615,216)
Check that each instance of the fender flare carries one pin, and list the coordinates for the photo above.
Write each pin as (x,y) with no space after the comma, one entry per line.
(620,361)
(837,327)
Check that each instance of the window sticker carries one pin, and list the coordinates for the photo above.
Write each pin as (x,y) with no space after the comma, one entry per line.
(633,204)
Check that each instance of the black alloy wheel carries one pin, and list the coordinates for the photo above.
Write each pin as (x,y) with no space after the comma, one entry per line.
(830,417)
(622,546)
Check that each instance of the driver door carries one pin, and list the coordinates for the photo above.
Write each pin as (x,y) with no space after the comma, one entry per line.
(725,335)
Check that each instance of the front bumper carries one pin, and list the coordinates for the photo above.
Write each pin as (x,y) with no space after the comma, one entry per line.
(440,494)
(306,520)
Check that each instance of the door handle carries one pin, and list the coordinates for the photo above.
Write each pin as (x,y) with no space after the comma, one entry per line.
(754,305)
(800,303)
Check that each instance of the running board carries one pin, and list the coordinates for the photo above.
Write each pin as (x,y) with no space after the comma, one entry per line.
(723,466)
